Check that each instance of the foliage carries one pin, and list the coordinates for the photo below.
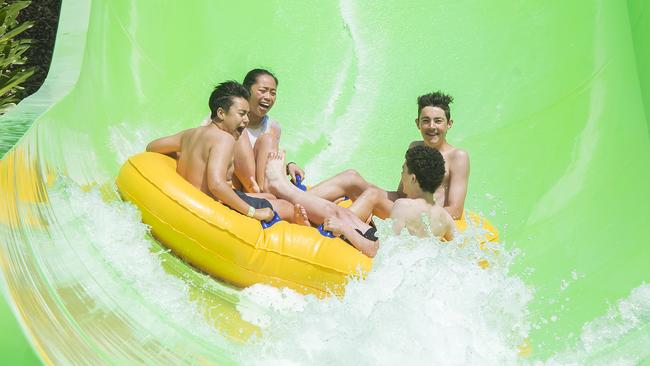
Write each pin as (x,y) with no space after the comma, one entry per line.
(12,59)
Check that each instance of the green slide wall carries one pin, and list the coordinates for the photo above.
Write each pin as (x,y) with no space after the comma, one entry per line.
(552,101)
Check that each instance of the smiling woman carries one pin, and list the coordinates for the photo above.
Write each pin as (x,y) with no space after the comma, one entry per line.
(262,133)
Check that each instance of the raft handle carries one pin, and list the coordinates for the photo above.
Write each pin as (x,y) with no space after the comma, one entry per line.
(299,184)
(268,224)
(324,232)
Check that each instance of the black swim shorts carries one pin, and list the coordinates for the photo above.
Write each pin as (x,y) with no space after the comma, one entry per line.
(255,202)
(369,234)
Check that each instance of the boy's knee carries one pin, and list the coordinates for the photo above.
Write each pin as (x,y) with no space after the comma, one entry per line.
(374,193)
(352,175)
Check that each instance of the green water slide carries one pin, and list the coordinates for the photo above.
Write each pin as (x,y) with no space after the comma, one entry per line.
(552,101)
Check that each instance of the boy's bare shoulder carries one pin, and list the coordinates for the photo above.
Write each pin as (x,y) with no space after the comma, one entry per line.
(402,202)
(409,204)
(399,204)
(457,159)
(215,134)
(402,207)
(440,216)
(438,212)
(458,154)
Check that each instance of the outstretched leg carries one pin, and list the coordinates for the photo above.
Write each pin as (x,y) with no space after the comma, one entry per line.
(348,183)
(317,208)
(372,200)
(351,184)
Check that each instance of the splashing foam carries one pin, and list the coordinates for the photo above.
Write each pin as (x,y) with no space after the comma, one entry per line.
(621,337)
(424,301)
(111,242)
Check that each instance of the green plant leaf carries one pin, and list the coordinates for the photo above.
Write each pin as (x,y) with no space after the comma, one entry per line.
(12,52)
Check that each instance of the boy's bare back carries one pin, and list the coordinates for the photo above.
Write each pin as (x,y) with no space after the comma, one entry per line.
(408,213)
(201,151)
(198,146)
(453,189)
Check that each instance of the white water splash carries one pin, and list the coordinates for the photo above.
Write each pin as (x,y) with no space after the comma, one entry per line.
(110,240)
(424,303)
(620,337)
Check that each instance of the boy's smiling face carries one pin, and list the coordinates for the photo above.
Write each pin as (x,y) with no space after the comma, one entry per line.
(433,125)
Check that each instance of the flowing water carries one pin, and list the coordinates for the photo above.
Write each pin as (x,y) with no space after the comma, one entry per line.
(557,131)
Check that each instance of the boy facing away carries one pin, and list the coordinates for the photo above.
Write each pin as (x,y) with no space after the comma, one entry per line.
(433,122)
(422,173)
(205,156)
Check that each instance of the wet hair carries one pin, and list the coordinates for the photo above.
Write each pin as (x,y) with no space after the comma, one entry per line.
(436,99)
(251,77)
(428,165)
(224,95)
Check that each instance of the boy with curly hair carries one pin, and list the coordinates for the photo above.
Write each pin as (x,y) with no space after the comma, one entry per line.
(422,173)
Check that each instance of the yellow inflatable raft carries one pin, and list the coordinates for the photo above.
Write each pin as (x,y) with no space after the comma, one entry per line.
(233,247)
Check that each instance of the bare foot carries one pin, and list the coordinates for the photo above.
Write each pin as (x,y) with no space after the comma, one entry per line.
(274,176)
(300,215)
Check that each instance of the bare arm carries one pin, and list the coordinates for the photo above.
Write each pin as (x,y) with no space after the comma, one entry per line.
(168,145)
(449,233)
(458,178)
(365,246)
(441,223)
(398,213)
(219,159)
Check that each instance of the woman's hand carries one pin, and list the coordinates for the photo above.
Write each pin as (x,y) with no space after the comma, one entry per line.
(293,169)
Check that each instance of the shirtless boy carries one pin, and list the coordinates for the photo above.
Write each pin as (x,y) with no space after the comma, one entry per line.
(205,156)
(261,136)
(422,173)
(433,121)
